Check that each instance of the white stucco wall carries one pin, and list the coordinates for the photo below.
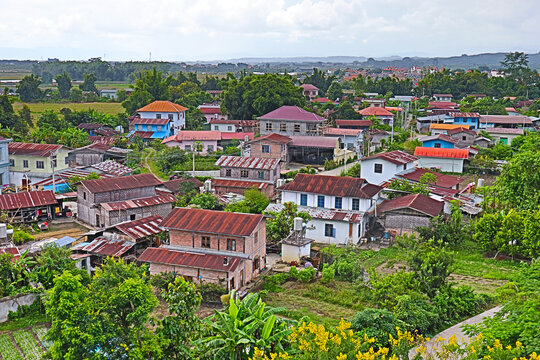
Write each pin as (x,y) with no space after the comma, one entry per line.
(329,201)
(342,232)
(442,164)
(178,118)
(389,169)
(224,127)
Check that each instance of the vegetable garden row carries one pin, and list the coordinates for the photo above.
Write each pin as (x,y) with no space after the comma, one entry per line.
(25,344)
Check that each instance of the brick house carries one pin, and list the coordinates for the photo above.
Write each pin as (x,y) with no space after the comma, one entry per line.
(271,146)
(211,246)
(464,137)
(109,201)
(291,120)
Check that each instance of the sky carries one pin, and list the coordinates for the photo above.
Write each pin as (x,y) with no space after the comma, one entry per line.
(190,30)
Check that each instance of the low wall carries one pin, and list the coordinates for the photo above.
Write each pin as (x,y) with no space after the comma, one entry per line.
(12,303)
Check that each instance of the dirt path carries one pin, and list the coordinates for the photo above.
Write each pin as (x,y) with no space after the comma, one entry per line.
(150,153)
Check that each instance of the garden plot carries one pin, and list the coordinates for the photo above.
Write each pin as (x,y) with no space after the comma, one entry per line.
(40,332)
(8,350)
(28,344)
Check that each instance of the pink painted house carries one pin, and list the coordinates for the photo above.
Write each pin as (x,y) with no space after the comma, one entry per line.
(185,140)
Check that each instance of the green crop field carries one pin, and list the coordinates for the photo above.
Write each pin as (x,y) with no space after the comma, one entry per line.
(37,108)
(13,75)
(23,344)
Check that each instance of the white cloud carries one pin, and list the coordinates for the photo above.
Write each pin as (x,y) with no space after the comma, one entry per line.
(217,29)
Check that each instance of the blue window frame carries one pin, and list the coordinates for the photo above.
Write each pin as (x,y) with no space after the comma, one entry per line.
(338,202)
(266,149)
(329,230)
(303,199)
(320,201)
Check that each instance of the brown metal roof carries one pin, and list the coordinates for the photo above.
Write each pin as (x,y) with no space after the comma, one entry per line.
(212,221)
(345,186)
(18,148)
(240,184)
(149,121)
(29,199)
(121,183)
(161,198)
(282,139)
(397,157)
(247,162)
(140,228)
(194,260)
(112,167)
(314,141)
(443,180)
(418,202)
(503,119)
(108,247)
(343,122)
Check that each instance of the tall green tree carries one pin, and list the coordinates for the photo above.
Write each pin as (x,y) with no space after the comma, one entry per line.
(64,85)
(432,266)
(335,91)
(516,65)
(280,223)
(149,86)
(28,88)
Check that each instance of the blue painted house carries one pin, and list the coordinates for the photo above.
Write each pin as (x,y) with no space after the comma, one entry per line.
(438,141)
(160,128)
(471,119)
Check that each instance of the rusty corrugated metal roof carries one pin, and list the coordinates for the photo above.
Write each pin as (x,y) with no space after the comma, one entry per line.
(121,183)
(194,260)
(161,198)
(241,184)
(212,221)
(108,247)
(18,148)
(28,199)
(345,186)
(418,202)
(140,228)
(442,153)
(324,214)
(247,162)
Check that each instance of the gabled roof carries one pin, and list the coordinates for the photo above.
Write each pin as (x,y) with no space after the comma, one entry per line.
(342,132)
(442,95)
(344,186)
(397,157)
(113,168)
(31,149)
(442,153)
(239,184)
(162,106)
(375,111)
(363,123)
(188,259)
(108,247)
(418,202)
(149,121)
(460,130)
(282,139)
(504,119)
(314,141)
(325,214)
(140,228)
(236,135)
(442,104)
(247,162)
(295,113)
(493,130)
(443,180)
(212,221)
(210,109)
(28,199)
(89,126)
(323,100)
(191,135)
(309,87)
(441,137)
(121,183)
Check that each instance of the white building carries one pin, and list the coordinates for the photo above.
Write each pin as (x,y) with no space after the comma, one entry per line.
(379,168)
(446,160)
(165,110)
(336,204)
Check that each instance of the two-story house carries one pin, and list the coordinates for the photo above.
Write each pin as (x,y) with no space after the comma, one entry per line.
(380,113)
(442,97)
(471,119)
(109,201)
(291,121)
(31,163)
(379,168)
(211,246)
(271,146)
(464,136)
(336,204)
(162,118)
(310,91)
(4,161)
(189,140)
(505,121)
(237,174)
(351,139)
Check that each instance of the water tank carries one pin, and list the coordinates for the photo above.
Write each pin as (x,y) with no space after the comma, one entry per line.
(246,138)
(3,231)
(298,222)
(280,182)
(481,182)
(119,128)
(208,185)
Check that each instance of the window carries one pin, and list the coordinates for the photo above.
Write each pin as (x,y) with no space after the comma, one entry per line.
(225,263)
(266,149)
(329,230)
(158,127)
(11,162)
(229,128)
(158,116)
(84,195)
(256,237)
(404,166)
(210,148)
(320,201)
(437,145)
(205,242)
(463,138)
(53,162)
(25,163)
(378,168)
(296,128)
(283,127)
(356,204)
(187,147)
(260,174)
(40,164)
(244,173)
(228,172)
(216,127)
(268,126)
(170,116)
(338,202)
(132,217)
(303,199)
(231,244)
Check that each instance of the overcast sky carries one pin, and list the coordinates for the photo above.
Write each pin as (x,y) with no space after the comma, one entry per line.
(180,30)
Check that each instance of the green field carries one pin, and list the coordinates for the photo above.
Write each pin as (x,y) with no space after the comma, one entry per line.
(13,75)
(23,344)
(113,85)
(37,108)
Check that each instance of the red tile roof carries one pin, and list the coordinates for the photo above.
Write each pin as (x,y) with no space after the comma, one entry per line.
(309,87)
(375,111)
(162,106)
(397,157)
(29,199)
(247,162)
(188,259)
(314,141)
(445,181)
(442,153)
(504,131)
(160,198)
(121,183)
(282,139)
(108,247)
(341,132)
(345,186)
(140,228)
(31,149)
(362,123)
(212,221)
(239,184)
(147,121)
(418,202)
(292,113)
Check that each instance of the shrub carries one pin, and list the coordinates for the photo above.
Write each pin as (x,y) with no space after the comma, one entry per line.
(328,274)
(307,274)
(385,290)
(211,292)
(20,236)
(376,323)
(417,313)
(293,271)
(455,303)
(162,280)
(272,282)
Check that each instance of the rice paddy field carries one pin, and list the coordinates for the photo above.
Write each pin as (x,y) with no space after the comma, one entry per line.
(37,108)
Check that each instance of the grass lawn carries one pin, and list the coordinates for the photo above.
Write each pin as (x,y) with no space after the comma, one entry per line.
(37,108)
(31,319)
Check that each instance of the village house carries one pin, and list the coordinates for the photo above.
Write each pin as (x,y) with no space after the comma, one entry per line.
(109,201)
(404,214)
(442,180)
(175,185)
(94,129)
(353,124)
(95,153)
(482,142)
(317,150)
(441,107)
(438,141)
(291,120)
(4,161)
(271,146)
(310,91)
(470,119)
(424,123)
(34,162)
(186,140)
(162,118)
(380,113)
(215,94)
(464,136)
(447,160)
(379,168)
(29,206)
(350,139)
(212,112)
(437,128)
(220,247)
(232,126)
(442,97)
(504,135)
(505,121)
(336,204)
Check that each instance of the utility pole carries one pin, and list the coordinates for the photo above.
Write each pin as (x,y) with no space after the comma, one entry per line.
(53,165)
